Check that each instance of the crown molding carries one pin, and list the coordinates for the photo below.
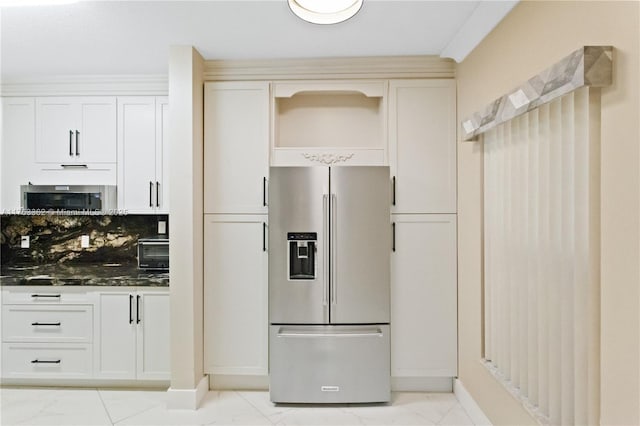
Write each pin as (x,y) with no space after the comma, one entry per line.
(478,25)
(86,85)
(330,68)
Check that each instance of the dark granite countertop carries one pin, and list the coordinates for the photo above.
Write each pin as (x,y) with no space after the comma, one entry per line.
(107,274)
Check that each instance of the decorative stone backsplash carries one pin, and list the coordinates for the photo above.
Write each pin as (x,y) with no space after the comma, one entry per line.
(57,239)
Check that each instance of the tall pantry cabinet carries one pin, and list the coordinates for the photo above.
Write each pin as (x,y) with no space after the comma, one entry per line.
(423,263)
(236,159)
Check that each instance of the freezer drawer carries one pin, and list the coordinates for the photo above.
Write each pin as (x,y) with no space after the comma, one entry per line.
(329,364)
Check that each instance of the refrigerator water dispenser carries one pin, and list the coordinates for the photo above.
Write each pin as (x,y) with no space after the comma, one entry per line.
(302,255)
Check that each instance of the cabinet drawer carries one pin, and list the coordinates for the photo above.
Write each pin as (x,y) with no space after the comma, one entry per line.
(47,323)
(329,364)
(46,360)
(46,295)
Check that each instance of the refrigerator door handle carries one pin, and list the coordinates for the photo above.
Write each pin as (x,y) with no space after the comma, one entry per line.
(291,332)
(334,249)
(325,241)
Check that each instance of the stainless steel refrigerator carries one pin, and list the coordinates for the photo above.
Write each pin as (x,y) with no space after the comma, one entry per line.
(329,254)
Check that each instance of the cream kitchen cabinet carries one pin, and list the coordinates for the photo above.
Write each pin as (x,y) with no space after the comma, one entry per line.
(143,154)
(236,147)
(75,131)
(133,330)
(329,123)
(47,334)
(17,152)
(422,145)
(423,296)
(235,295)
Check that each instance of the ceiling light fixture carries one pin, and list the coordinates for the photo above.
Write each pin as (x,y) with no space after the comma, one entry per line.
(325,11)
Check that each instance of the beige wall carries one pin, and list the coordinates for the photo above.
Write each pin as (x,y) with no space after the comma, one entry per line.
(532,37)
(186,246)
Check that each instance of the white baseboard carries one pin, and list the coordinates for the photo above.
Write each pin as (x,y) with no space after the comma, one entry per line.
(187,399)
(238,382)
(469,404)
(422,384)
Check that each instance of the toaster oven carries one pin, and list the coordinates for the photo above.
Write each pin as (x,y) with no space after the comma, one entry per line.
(153,254)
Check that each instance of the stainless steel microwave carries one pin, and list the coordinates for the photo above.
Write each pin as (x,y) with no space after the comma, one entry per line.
(94,198)
(153,254)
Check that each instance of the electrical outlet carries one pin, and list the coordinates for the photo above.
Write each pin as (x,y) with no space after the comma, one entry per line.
(84,241)
(24,241)
(162,227)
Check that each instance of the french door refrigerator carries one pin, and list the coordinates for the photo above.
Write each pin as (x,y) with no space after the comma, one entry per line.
(329,273)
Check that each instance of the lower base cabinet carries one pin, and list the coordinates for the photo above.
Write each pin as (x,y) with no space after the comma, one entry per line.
(134,335)
(84,334)
(424,296)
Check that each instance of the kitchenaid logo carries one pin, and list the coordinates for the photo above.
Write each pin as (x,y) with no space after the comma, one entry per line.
(40,212)
(330,388)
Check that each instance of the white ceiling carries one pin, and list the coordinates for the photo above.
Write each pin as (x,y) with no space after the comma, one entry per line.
(132,37)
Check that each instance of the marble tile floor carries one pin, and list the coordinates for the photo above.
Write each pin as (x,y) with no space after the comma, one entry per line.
(60,406)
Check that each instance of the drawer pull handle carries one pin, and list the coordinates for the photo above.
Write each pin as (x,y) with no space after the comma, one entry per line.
(54,324)
(46,295)
(37,361)
(74,166)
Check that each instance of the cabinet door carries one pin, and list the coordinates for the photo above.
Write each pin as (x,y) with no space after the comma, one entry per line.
(56,123)
(17,151)
(236,147)
(162,155)
(137,154)
(235,295)
(153,354)
(422,145)
(116,354)
(96,138)
(76,130)
(423,296)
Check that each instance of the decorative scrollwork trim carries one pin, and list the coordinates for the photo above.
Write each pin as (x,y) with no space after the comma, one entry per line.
(328,158)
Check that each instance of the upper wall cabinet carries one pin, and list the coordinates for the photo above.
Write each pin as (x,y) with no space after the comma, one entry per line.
(422,142)
(75,141)
(142,154)
(78,130)
(17,150)
(329,123)
(236,147)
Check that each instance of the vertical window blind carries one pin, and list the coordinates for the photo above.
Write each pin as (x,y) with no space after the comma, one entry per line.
(542,257)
